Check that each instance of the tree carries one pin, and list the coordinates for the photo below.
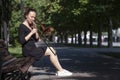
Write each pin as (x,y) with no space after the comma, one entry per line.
(5,9)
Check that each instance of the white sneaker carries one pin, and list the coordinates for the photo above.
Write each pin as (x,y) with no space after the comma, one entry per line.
(64,73)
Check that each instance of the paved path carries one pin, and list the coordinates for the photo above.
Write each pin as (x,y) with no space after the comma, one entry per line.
(85,63)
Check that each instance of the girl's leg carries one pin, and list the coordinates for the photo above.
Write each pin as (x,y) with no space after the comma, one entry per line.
(53,58)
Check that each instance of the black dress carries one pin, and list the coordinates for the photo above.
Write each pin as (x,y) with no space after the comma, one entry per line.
(28,47)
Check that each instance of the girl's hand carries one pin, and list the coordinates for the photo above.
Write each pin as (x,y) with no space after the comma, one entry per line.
(34,31)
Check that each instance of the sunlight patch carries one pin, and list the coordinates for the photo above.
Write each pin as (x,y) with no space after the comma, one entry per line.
(87,75)
(65,59)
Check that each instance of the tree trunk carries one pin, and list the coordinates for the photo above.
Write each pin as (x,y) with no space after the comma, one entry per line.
(75,37)
(61,37)
(91,39)
(66,37)
(85,38)
(72,37)
(6,37)
(110,32)
(99,33)
(79,38)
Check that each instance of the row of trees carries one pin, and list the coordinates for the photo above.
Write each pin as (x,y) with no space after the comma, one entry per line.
(70,17)
(5,16)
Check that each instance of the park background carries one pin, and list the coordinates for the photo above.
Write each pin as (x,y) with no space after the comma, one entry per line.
(81,23)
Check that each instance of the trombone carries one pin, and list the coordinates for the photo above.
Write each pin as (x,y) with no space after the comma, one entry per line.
(45,32)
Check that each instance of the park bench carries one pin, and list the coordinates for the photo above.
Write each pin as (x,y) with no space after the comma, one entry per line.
(13,68)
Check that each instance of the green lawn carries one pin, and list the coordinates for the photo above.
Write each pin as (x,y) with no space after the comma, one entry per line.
(15,51)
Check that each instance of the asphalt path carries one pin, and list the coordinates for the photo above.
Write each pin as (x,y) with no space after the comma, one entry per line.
(85,63)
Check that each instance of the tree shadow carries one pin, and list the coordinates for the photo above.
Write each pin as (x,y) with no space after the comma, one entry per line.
(84,65)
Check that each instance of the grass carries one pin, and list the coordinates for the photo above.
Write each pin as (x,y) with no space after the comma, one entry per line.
(112,54)
(15,51)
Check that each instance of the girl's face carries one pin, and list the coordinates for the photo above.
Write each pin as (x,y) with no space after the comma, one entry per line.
(31,17)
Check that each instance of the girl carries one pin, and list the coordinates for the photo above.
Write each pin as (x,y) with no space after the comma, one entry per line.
(28,35)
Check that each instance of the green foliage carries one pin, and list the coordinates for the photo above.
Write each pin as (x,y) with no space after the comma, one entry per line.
(67,15)
(14,22)
(15,51)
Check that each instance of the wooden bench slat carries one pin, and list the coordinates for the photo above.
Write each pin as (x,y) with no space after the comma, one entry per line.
(8,62)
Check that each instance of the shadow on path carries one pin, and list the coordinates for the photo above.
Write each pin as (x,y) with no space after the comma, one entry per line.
(85,64)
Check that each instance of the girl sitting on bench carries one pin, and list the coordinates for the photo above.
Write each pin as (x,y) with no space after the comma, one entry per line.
(28,35)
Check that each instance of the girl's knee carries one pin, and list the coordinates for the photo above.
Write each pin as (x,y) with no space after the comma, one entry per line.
(50,51)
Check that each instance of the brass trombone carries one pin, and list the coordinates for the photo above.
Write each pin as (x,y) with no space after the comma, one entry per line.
(45,32)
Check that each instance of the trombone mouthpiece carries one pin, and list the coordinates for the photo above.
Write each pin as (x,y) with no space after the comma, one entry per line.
(34,23)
